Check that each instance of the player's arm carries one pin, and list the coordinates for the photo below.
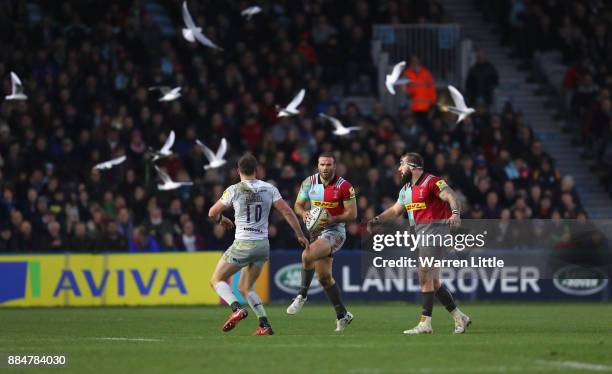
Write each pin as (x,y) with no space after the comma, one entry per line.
(450,196)
(215,213)
(349,214)
(301,200)
(394,211)
(292,220)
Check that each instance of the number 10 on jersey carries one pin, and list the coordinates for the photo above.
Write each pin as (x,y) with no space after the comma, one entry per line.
(257,209)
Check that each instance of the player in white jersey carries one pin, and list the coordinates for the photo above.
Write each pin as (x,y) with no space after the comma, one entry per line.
(252,201)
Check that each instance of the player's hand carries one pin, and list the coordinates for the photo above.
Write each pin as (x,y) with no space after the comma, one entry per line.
(454,220)
(303,241)
(326,222)
(371,223)
(227,223)
(305,215)
(370,226)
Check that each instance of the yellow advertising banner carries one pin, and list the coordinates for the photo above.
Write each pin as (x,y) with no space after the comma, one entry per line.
(112,279)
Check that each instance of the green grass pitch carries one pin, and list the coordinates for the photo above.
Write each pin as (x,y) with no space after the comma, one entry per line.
(505,337)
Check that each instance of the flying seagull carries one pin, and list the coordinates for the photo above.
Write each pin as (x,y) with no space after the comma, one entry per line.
(215,160)
(393,79)
(460,108)
(250,12)
(339,130)
(169,184)
(17,89)
(291,109)
(109,164)
(196,32)
(165,150)
(188,35)
(168,94)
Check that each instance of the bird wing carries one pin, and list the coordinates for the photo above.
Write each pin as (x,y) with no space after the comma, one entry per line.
(103,165)
(207,152)
(337,124)
(222,149)
(117,161)
(204,40)
(187,18)
(457,98)
(169,142)
(297,100)
(389,84)
(250,11)
(165,177)
(397,70)
(15,84)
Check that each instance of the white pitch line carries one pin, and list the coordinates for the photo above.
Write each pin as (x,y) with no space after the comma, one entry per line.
(575,365)
(128,339)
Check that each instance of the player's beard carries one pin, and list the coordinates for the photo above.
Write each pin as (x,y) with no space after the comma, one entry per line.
(406,177)
(327,176)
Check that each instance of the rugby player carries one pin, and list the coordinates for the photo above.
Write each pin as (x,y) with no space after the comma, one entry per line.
(432,207)
(252,200)
(326,190)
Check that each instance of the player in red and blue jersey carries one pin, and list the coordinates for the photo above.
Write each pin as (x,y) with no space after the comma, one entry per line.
(432,207)
(326,190)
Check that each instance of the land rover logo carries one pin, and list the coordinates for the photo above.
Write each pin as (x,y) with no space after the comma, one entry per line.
(289,278)
(579,281)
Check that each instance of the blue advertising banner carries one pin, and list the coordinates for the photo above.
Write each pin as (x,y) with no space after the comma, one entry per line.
(363,283)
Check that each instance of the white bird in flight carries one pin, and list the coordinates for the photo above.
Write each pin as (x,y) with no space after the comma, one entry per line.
(251,11)
(339,130)
(291,109)
(169,184)
(168,94)
(193,32)
(460,108)
(188,35)
(392,79)
(17,89)
(215,160)
(165,150)
(109,164)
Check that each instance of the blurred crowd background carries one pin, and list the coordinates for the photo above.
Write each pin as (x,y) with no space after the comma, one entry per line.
(87,66)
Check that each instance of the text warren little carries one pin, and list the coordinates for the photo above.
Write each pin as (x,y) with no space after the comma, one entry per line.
(432,262)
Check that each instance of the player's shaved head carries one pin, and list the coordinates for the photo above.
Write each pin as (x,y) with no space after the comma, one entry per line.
(247,164)
(327,155)
(414,159)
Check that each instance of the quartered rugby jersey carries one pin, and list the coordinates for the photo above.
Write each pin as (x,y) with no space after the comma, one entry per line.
(422,201)
(332,197)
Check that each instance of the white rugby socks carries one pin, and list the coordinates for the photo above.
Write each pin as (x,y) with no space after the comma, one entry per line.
(225,292)
(256,304)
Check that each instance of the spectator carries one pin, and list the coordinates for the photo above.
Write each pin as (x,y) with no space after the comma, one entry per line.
(220,239)
(190,241)
(142,241)
(157,225)
(481,80)
(421,89)
(54,240)
(80,240)
(112,239)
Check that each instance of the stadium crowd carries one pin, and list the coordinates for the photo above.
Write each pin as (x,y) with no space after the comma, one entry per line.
(87,66)
(580,32)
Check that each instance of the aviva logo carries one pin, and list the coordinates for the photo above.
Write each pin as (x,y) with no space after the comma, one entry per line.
(15,278)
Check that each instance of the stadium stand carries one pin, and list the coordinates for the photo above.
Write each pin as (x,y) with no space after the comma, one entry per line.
(87,66)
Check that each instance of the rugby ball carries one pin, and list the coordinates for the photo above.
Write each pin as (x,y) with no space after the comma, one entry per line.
(315,217)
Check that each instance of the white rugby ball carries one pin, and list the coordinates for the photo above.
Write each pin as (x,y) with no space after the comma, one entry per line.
(315,217)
